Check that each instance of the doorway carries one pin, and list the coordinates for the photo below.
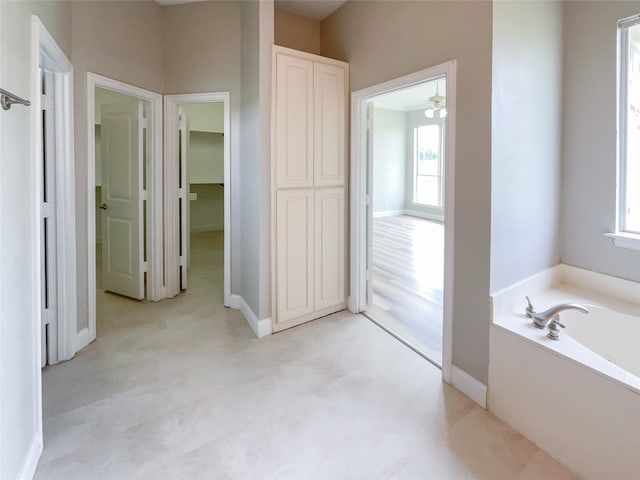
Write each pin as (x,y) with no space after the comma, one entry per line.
(124,180)
(402,209)
(198,169)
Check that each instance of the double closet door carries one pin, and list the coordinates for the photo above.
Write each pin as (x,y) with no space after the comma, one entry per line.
(309,172)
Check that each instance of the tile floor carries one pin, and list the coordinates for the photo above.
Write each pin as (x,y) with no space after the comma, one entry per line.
(182,389)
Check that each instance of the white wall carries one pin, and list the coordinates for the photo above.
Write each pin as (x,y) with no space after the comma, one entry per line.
(385,40)
(389,159)
(20,409)
(589,141)
(526,136)
(205,117)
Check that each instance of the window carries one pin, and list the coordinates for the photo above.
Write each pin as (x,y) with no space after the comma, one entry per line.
(629,128)
(428,153)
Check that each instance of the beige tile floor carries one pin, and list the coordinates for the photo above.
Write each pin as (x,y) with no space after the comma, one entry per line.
(182,389)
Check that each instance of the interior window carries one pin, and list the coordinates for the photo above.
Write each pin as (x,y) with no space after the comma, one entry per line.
(428,152)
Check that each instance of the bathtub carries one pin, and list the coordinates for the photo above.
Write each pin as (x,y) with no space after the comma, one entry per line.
(578,398)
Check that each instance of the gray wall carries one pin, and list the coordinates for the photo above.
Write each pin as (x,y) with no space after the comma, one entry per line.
(131,53)
(526,130)
(589,175)
(384,40)
(19,292)
(389,159)
(202,54)
(255,160)
(295,31)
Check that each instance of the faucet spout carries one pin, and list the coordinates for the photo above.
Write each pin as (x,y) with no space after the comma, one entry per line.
(542,319)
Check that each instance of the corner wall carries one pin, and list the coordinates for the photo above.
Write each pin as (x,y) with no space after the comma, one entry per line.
(297,32)
(385,40)
(590,138)
(20,372)
(526,140)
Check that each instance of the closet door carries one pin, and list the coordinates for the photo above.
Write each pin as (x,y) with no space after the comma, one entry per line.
(329,124)
(294,253)
(294,122)
(329,255)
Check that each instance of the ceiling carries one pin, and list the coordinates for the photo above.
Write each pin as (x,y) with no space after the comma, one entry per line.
(411,98)
(316,9)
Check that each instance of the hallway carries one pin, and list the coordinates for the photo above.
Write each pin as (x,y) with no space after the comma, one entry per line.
(182,389)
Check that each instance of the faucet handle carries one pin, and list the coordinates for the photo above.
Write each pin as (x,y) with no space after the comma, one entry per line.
(554,328)
(529,311)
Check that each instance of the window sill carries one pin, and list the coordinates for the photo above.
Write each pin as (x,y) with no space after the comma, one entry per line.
(625,240)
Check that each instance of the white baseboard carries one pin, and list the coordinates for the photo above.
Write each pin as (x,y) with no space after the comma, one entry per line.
(387,213)
(428,216)
(30,463)
(211,227)
(260,327)
(81,340)
(468,385)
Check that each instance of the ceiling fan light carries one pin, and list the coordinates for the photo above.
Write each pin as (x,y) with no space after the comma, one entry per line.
(429,112)
(443,112)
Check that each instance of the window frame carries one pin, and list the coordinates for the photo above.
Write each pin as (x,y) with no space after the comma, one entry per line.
(623,237)
(441,159)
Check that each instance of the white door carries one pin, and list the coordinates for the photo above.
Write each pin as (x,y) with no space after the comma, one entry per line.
(184,199)
(122,198)
(294,245)
(49,263)
(294,122)
(329,249)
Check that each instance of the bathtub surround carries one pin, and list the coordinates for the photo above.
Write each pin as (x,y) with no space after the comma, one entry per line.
(529,373)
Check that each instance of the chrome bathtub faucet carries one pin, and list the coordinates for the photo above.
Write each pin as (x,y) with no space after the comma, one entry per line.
(551,316)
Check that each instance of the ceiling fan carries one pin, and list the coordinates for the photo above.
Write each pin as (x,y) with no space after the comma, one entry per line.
(437,108)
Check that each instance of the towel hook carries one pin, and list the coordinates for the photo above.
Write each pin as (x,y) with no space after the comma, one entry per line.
(7,99)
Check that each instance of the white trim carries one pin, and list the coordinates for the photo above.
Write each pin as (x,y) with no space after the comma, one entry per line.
(427,215)
(358,200)
(82,339)
(30,464)
(625,240)
(155,288)
(472,388)
(262,327)
(48,55)
(171,104)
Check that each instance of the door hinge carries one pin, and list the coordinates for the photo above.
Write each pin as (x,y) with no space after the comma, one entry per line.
(145,123)
(46,102)
(367,199)
(48,316)
(47,210)
(369,123)
(145,266)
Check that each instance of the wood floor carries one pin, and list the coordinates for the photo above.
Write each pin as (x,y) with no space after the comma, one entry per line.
(408,259)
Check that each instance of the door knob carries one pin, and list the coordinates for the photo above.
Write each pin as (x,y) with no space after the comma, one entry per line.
(103,206)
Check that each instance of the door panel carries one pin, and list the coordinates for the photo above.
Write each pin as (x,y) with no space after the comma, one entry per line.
(185,203)
(294,122)
(329,125)
(294,244)
(329,269)
(122,216)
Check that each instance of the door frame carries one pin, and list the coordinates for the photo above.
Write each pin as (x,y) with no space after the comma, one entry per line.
(359,199)
(155,277)
(171,105)
(47,54)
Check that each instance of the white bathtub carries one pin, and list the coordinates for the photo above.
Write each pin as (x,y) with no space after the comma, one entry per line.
(577,398)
